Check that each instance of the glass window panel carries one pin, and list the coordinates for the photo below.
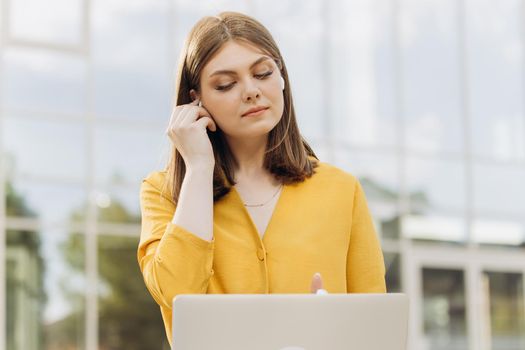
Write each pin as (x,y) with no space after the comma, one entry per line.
(44,80)
(507,317)
(386,220)
(132,66)
(45,289)
(499,189)
(11,309)
(430,66)
(435,227)
(118,204)
(303,57)
(378,176)
(378,169)
(444,309)
(495,72)
(499,231)
(50,203)
(361,97)
(121,285)
(435,184)
(393,272)
(53,21)
(385,79)
(436,194)
(47,149)
(128,155)
(320,148)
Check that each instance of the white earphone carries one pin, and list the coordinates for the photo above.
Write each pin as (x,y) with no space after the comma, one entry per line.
(282,83)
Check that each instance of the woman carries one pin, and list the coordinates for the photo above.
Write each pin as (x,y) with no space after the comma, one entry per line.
(244,205)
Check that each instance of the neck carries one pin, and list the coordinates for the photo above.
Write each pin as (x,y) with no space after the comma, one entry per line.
(249,155)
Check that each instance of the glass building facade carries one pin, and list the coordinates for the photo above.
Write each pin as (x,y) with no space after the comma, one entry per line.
(422,100)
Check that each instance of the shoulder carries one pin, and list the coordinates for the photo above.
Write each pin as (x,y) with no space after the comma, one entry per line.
(157,181)
(329,182)
(328,173)
(156,178)
(330,185)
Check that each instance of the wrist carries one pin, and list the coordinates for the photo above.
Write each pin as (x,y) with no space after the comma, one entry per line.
(200,168)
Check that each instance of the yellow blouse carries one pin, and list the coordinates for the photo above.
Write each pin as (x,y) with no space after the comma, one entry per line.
(319,225)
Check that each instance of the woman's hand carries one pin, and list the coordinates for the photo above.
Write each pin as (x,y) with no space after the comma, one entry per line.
(317,284)
(187,131)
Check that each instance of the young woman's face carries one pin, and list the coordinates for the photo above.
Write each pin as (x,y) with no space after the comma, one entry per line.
(238,78)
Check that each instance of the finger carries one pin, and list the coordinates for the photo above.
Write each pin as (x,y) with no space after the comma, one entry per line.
(317,282)
(186,117)
(174,114)
(207,122)
(195,102)
(191,115)
(176,118)
(171,124)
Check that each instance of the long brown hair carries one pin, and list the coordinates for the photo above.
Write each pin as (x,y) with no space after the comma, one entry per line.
(287,153)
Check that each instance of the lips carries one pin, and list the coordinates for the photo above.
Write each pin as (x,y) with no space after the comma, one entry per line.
(254,110)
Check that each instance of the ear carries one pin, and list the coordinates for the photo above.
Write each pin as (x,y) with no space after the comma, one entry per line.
(194,95)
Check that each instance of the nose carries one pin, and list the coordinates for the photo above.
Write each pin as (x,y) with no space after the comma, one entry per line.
(251,91)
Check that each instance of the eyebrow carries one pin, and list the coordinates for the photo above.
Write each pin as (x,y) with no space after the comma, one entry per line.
(231,72)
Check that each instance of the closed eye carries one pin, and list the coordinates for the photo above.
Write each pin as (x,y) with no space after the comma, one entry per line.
(264,75)
(258,76)
(224,87)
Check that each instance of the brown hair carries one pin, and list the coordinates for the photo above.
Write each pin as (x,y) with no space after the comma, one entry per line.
(287,153)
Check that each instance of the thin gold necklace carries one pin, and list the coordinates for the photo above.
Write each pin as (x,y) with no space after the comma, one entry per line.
(268,201)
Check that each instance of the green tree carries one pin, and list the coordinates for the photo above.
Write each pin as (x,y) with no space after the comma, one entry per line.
(27,283)
(128,316)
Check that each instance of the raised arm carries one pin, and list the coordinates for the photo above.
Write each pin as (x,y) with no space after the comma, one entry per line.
(176,259)
(176,246)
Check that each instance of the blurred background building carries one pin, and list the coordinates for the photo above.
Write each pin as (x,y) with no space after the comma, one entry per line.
(423,100)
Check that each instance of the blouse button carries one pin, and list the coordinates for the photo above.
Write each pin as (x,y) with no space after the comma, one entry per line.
(260,254)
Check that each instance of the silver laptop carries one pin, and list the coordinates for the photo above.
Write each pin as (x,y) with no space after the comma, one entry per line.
(290,322)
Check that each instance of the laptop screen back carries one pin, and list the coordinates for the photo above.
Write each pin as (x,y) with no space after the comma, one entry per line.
(290,322)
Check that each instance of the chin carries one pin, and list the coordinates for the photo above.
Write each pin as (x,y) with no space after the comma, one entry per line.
(262,129)
(259,128)
(251,133)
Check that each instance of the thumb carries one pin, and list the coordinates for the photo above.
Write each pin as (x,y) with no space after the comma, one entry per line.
(317,283)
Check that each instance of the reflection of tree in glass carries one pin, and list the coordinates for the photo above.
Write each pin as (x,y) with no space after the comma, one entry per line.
(378,192)
(25,274)
(390,223)
(128,316)
(507,318)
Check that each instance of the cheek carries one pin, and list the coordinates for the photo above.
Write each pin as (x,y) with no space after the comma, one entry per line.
(276,91)
(221,106)
(276,96)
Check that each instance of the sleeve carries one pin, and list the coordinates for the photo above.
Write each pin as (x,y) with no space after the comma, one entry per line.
(172,260)
(365,265)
